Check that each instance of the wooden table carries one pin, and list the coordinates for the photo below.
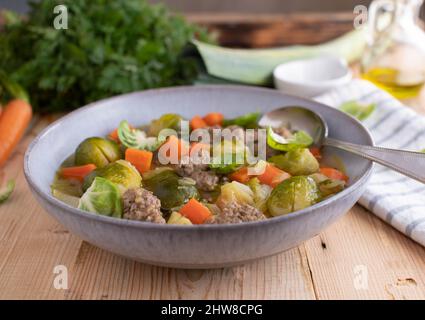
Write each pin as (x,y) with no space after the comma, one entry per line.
(359,257)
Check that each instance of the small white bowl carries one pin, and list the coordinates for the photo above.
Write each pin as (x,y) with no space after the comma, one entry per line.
(311,77)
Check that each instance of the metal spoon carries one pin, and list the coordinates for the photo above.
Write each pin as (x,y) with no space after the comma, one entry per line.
(409,163)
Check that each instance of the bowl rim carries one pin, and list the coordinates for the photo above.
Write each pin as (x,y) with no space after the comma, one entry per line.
(143,224)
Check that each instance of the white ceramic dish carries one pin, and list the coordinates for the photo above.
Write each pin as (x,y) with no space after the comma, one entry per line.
(311,77)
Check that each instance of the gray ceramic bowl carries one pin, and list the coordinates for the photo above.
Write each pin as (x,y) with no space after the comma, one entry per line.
(204,246)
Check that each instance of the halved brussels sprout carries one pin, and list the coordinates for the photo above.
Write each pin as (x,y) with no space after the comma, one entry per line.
(293,194)
(166,121)
(120,172)
(235,192)
(178,218)
(172,190)
(298,162)
(97,151)
(137,139)
(103,197)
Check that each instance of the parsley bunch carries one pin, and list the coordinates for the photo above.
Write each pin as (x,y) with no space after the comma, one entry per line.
(109,48)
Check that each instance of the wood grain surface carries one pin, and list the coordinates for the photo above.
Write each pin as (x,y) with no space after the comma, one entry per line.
(32,244)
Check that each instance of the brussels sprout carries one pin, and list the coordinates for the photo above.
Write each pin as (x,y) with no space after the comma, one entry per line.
(172,190)
(261,194)
(297,162)
(103,197)
(137,139)
(293,194)
(98,151)
(166,121)
(235,192)
(177,218)
(120,172)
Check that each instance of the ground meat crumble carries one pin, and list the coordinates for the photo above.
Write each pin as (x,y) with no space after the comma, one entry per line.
(205,179)
(141,204)
(237,213)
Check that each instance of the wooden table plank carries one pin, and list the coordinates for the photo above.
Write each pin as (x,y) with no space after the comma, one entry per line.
(324,267)
(98,274)
(362,245)
(31,243)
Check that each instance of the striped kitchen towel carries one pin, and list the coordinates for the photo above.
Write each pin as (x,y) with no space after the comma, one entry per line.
(396,199)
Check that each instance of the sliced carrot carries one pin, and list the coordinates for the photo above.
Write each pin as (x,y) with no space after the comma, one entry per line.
(77,173)
(14,120)
(332,173)
(214,119)
(195,211)
(173,146)
(197,123)
(141,159)
(240,175)
(272,176)
(114,136)
(316,152)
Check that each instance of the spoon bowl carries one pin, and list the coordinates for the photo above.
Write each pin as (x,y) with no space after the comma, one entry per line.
(298,118)
(409,163)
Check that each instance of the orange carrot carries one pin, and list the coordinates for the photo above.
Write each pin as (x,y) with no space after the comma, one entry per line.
(197,123)
(316,152)
(240,175)
(77,173)
(14,119)
(195,211)
(214,119)
(141,159)
(272,176)
(172,146)
(114,136)
(332,173)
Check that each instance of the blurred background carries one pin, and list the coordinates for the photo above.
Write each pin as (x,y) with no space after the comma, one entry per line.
(235,6)
(259,23)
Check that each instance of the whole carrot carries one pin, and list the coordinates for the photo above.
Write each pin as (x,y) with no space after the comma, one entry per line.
(14,118)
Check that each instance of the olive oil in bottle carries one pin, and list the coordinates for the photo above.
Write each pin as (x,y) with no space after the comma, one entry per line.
(394,82)
(395,57)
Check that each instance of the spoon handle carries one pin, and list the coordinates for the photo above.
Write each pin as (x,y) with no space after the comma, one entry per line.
(409,163)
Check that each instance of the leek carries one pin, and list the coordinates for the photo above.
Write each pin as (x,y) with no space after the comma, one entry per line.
(255,66)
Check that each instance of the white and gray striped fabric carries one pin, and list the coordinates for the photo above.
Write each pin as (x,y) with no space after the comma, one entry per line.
(396,199)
